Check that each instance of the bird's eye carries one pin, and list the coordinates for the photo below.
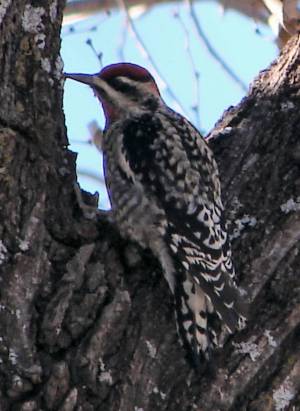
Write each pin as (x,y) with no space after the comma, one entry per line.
(121,85)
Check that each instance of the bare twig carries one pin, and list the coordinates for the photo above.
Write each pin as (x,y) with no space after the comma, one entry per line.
(96,134)
(196,105)
(123,39)
(72,27)
(203,38)
(99,56)
(254,8)
(81,142)
(141,45)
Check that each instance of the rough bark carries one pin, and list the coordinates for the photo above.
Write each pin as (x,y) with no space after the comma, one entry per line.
(86,319)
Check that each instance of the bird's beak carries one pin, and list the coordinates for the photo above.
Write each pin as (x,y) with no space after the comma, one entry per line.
(89,79)
(82,78)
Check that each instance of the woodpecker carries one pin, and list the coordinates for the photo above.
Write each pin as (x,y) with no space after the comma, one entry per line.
(164,189)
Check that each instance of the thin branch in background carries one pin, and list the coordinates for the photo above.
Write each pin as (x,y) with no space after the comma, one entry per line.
(73,30)
(72,27)
(81,142)
(141,45)
(96,134)
(259,31)
(84,8)
(99,56)
(196,105)
(204,40)
(122,42)
(68,28)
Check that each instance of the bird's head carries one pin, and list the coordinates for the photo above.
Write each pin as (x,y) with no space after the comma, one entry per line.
(120,87)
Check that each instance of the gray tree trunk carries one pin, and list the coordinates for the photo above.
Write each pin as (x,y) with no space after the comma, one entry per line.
(86,319)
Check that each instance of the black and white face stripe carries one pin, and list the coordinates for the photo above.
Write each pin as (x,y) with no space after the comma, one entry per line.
(132,89)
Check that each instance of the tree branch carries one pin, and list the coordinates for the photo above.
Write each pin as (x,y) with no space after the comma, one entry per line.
(84,8)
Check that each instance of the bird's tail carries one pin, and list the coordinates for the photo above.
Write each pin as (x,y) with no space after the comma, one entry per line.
(226,300)
(196,309)
(192,310)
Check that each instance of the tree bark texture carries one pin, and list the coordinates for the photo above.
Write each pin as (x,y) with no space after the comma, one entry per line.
(86,318)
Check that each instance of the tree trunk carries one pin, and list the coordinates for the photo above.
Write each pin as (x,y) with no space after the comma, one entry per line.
(86,319)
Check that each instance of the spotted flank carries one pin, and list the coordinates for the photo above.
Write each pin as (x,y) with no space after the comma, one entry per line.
(181,177)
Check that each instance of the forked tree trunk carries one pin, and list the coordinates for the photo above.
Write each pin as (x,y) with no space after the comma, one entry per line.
(86,320)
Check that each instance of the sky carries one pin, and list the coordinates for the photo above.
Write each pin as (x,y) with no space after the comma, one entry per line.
(177,52)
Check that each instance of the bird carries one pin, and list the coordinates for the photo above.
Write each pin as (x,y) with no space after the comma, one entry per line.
(164,189)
